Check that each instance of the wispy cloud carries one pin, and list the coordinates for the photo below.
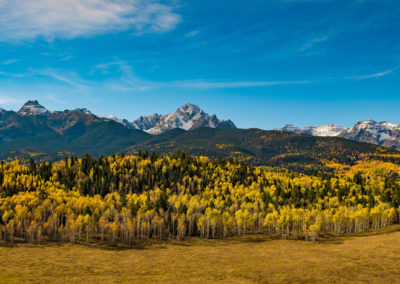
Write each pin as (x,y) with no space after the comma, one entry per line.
(192,33)
(200,84)
(56,99)
(27,19)
(128,80)
(10,61)
(375,75)
(13,75)
(69,78)
(7,100)
(105,68)
(313,42)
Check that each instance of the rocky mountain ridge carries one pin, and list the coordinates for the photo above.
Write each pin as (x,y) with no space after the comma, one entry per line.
(380,133)
(187,117)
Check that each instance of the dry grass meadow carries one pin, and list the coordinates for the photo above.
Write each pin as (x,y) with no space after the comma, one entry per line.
(252,259)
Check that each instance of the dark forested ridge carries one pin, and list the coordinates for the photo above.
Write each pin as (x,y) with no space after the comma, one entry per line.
(260,147)
(97,138)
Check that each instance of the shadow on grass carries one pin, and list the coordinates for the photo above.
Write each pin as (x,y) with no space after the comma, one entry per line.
(326,239)
(333,239)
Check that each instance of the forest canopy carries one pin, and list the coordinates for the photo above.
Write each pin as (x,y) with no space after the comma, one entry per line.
(125,199)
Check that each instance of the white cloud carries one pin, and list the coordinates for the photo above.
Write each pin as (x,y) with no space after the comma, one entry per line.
(104,68)
(375,75)
(69,78)
(199,84)
(56,99)
(313,42)
(49,19)
(10,61)
(192,33)
(7,100)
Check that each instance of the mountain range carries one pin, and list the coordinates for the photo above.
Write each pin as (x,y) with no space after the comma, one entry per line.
(187,117)
(380,133)
(36,132)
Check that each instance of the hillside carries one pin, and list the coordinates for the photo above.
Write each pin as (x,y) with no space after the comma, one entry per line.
(98,138)
(34,131)
(130,199)
(260,147)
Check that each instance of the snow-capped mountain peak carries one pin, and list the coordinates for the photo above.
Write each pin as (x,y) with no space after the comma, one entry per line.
(381,133)
(33,108)
(188,117)
(189,109)
(107,117)
(320,130)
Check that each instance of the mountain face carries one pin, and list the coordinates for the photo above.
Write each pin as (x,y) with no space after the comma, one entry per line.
(187,117)
(369,131)
(379,133)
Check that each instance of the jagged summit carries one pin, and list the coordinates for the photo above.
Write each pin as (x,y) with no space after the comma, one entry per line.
(190,109)
(33,108)
(187,117)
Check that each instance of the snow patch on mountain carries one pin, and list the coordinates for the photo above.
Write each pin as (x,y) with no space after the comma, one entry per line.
(107,117)
(380,133)
(330,130)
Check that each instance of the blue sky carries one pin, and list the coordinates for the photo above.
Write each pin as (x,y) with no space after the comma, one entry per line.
(260,63)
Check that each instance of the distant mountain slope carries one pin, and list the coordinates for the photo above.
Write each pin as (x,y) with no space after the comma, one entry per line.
(379,133)
(275,148)
(33,130)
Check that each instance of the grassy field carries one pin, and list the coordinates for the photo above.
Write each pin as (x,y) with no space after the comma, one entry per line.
(253,259)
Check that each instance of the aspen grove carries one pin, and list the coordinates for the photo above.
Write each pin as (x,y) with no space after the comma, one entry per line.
(126,199)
